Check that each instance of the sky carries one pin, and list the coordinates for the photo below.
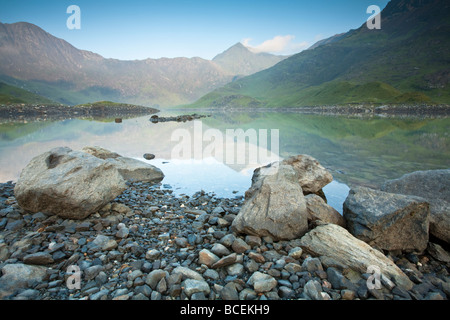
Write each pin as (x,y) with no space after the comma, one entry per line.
(139,29)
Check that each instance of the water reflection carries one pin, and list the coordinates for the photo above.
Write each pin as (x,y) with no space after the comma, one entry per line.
(356,151)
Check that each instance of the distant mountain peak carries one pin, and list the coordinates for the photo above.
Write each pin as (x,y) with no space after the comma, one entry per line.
(241,60)
(404,62)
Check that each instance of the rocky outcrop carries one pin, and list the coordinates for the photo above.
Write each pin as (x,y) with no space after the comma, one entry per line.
(434,186)
(318,209)
(75,184)
(312,176)
(336,247)
(132,170)
(387,221)
(275,205)
(67,183)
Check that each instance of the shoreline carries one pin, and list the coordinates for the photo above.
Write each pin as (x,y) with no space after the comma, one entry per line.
(24,112)
(357,110)
(148,244)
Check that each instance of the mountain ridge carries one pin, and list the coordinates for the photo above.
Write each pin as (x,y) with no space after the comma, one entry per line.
(35,60)
(241,61)
(409,56)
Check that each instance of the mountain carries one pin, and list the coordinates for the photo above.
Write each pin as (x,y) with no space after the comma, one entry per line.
(327,41)
(37,61)
(407,61)
(12,95)
(32,59)
(239,60)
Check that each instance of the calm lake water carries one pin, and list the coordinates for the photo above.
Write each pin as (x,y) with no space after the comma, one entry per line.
(356,151)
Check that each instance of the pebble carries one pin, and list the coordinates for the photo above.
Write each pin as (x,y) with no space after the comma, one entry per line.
(149,244)
(38,258)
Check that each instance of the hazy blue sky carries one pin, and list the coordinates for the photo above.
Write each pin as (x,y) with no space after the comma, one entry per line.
(137,29)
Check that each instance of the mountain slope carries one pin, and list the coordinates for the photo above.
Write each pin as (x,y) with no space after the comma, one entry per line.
(34,59)
(239,60)
(12,95)
(407,60)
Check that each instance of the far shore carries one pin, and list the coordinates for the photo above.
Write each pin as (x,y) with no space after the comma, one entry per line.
(60,111)
(364,110)
(32,112)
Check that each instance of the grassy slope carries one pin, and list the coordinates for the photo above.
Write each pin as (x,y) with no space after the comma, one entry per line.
(11,95)
(405,62)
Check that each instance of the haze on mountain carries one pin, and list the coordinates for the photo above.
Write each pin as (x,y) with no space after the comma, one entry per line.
(407,61)
(239,60)
(34,60)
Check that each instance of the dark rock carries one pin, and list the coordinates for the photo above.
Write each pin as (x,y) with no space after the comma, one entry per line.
(386,220)
(39,258)
(149,156)
(434,186)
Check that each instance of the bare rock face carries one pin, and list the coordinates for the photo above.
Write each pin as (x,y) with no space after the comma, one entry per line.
(132,170)
(336,247)
(275,205)
(319,210)
(386,220)
(70,184)
(434,186)
(312,176)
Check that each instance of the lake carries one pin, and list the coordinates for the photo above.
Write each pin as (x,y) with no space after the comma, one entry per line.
(205,155)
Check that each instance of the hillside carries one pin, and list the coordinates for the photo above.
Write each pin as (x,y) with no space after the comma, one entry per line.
(12,95)
(39,62)
(33,59)
(239,60)
(407,61)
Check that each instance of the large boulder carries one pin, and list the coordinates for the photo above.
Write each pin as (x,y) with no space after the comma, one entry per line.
(336,247)
(275,205)
(312,176)
(132,170)
(387,221)
(318,209)
(434,186)
(67,183)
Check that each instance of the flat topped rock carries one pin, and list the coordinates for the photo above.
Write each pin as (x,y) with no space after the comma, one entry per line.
(434,186)
(67,183)
(132,170)
(75,184)
(387,221)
